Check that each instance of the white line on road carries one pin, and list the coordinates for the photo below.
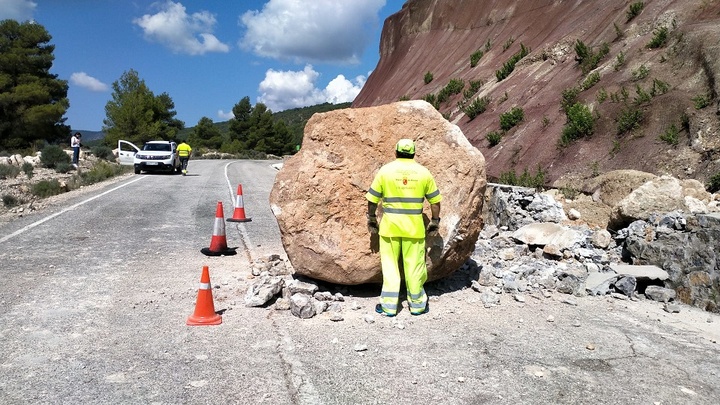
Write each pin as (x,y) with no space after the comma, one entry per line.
(72,207)
(243,234)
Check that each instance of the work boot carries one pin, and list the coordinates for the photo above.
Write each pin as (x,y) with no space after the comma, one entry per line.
(379,309)
(424,311)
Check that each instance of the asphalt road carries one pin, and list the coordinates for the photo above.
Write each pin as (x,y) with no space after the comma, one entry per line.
(96,291)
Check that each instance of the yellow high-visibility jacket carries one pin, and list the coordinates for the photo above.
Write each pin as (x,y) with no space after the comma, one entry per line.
(184,150)
(403,185)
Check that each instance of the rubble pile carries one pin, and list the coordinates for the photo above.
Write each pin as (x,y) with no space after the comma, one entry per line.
(529,246)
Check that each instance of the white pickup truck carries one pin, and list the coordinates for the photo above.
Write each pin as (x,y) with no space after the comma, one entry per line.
(154,156)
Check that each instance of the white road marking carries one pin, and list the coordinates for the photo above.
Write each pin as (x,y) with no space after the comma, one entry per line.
(49,217)
(244,237)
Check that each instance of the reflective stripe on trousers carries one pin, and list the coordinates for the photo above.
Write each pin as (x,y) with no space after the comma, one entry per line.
(412,251)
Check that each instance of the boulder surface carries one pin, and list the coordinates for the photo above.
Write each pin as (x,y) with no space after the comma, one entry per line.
(659,196)
(319,194)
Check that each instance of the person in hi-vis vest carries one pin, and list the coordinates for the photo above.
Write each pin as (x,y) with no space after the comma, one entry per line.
(184,150)
(403,185)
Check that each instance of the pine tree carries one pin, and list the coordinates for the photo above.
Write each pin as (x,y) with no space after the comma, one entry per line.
(135,114)
(32,101)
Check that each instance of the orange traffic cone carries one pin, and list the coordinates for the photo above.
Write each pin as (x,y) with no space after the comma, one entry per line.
(204,308)
(218,243)
(239,213)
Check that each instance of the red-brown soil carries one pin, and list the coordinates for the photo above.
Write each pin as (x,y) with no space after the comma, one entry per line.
(439,36)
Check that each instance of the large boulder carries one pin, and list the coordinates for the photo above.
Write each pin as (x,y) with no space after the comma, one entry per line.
(613,186)
(319,195)
(659,196)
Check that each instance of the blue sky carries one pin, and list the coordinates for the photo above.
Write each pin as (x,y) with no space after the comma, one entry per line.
(207,55)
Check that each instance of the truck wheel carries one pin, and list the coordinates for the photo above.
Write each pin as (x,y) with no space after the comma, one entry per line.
(137,171)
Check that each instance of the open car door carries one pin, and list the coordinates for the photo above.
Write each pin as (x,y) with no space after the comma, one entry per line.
(126,152)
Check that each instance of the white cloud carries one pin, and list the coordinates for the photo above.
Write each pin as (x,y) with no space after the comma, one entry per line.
(225,115)
(314,31)
(342,90)
(292,89)
(182,33)
(20,10)
(82,79)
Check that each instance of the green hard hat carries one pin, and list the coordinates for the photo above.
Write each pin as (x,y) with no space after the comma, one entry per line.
(406,146)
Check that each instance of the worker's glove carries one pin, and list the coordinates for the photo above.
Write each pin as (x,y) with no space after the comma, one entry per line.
(372,224)
(433,226)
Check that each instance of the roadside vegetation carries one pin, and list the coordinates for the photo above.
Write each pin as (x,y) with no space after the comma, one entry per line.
(587,57)
(509,66)
(714,183)
(454,86)
(478,54)
(494,137)
(477,107)
(659,38)
(525,179)
(428,77)
(580,123)
(634,10)
(511,118)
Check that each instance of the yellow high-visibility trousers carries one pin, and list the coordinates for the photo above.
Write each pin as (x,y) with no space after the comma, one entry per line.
(412,251)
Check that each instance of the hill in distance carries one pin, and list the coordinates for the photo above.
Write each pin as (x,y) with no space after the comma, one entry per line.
(294,118)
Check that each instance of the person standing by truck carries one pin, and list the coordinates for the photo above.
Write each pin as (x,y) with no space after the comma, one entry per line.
(184,151)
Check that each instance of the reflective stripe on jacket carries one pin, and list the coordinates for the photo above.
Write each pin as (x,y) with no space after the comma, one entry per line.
(184,150)
(403,185)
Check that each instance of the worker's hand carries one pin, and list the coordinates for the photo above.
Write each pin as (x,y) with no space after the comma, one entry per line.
(372,224)
(433,226)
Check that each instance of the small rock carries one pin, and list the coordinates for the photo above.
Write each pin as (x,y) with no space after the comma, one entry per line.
(619,296)
(550,318)
(626,285)
(282,304)
(660,294)
(574,214)
(601,239)
(569,301)
(672,308)
(360,347)
(590,346)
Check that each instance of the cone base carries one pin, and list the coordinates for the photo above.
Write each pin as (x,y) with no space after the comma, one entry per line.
(203,320)
(224,252)
(239,219)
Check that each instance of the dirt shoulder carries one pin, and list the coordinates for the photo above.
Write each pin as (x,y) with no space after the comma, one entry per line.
(20,188)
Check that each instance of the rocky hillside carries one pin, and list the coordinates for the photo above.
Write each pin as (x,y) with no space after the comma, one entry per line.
(645,71)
